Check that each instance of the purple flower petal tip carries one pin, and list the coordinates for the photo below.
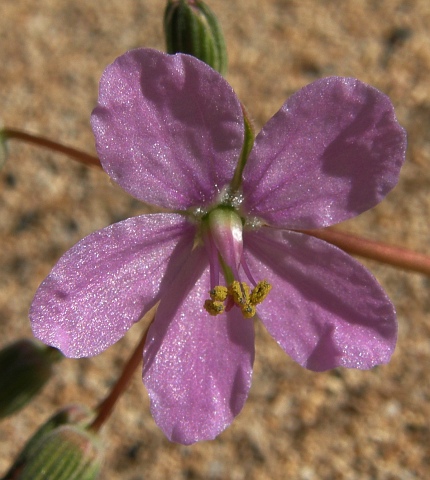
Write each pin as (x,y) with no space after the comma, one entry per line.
(167,122)
(102,286)
(197,400)
(339,147)
(326,310)
(170,131)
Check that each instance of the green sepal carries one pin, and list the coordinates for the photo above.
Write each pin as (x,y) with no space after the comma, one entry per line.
(191,27)
(248,143)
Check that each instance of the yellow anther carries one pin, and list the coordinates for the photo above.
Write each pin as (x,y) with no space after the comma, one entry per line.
(214,307)
(260,292)
(218,294)
(248,310)
(240,293)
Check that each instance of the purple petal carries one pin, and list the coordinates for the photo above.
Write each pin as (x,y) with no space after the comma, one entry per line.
(107,282)
(168,128)
(197,368)
(332,151)
(325,309)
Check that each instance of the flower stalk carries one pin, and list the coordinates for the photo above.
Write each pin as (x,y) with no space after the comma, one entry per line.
(379,251)
(85,158)
(106,406)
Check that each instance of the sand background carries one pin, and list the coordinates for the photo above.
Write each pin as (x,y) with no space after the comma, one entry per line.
(342,424)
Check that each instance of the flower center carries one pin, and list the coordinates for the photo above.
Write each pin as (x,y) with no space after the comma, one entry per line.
(223,238)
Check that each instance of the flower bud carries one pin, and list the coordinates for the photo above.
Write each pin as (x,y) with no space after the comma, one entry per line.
(25,366)
(66,453)
(72,414)
(191,27)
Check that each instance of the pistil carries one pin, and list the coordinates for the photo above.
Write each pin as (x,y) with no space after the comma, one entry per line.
(223,235)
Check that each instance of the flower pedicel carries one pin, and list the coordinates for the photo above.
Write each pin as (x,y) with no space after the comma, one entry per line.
(170,131)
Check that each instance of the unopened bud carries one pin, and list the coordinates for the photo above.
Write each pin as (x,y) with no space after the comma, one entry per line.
(72,414)
(25,366)
(191,27)
(66,453)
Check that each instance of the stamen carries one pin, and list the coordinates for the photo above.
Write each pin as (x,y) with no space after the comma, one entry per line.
(260,292)
(247,270)
(240,293)
(248,310)
(214,307)
(237,294)
(218,293)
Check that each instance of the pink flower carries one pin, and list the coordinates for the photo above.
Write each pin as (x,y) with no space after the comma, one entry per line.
(170,131)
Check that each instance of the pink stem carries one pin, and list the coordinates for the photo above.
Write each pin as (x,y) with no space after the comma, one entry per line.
(106,406)
(10,133)
(395,256)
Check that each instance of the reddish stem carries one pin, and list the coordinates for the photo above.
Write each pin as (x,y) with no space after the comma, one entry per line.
(106,406)
(395,256)
(10,133)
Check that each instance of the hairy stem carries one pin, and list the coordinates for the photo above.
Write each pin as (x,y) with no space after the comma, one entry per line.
(85,158)
(395,256)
